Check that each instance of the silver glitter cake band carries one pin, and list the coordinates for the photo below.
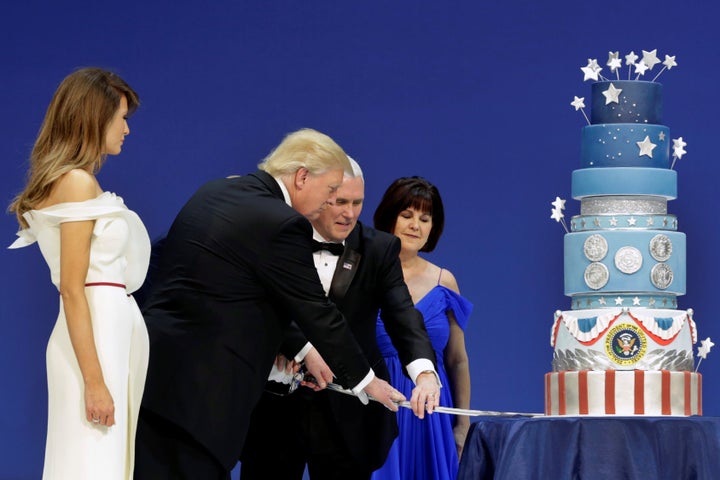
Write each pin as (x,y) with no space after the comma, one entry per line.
(619,204)
(657,359)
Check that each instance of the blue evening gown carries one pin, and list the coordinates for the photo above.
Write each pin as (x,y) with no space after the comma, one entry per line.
(425,449)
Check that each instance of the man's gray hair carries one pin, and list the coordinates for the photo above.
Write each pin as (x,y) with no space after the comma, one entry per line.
(356,170)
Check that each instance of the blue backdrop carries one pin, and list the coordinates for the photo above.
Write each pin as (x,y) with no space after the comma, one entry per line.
(473,95)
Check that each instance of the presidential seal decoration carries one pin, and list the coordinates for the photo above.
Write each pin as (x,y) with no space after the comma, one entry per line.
(660,247)
(661,276)
(625,344)
(628,259)
(596,275)
(595,247)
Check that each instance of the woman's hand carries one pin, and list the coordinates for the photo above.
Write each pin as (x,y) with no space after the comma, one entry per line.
(460,431)
(99,405)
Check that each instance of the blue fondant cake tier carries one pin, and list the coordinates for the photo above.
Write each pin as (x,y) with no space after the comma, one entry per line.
(589,182)
(625,145)
(636,102)
(624,262)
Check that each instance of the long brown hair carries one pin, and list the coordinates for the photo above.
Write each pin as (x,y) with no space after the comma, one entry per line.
(72,134)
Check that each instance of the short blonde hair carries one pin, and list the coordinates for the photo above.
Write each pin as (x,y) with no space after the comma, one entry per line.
(306,148)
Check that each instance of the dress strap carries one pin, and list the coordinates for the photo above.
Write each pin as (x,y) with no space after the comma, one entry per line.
(441,270)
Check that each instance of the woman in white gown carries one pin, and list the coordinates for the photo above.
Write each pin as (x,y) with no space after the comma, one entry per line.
(98,253)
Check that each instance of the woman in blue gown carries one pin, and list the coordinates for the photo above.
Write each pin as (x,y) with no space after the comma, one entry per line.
(412,209)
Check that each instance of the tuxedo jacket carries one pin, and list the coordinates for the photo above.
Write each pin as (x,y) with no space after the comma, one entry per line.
(235,267)
(368,278)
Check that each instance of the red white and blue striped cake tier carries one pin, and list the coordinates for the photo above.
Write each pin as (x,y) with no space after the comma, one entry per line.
(623,393)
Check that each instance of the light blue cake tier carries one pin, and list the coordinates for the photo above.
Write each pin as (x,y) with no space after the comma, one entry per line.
(585,223)
(660,182)
(638,102)
(633,263)
(616,145)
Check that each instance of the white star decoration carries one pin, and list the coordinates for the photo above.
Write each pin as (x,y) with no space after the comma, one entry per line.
(670,62)
(612,94)
(646,147)
(613,222)
(614,64)
(557,214)
(630,58)
(632,221)
(705,347)
(650,58)
(618,300)
(641,68)
(667,65)
(679,144)
(678,150)
(591,70)
(661,136)
(636,301)
(579,104)
(614,61)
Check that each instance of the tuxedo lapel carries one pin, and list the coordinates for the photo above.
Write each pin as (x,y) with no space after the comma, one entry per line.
(347,266)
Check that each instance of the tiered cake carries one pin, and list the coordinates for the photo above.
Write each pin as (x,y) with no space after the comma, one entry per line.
(624,348)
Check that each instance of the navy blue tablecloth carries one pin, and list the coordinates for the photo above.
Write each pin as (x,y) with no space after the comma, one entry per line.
(617,448)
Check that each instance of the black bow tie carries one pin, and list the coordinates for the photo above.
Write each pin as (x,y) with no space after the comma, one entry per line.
(334,248)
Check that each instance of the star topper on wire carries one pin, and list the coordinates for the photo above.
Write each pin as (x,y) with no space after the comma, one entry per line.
(678,150)
(703,350)
(557,215)
(645,64)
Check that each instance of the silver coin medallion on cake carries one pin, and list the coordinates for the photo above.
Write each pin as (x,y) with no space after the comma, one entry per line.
(595,247)
(628,259)
(660,247)
(661,276)
(596,275)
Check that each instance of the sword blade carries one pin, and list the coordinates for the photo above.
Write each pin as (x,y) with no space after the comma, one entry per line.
(448,410)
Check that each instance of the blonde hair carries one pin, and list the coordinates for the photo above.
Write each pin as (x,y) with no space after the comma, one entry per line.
(305,148)
(72,134)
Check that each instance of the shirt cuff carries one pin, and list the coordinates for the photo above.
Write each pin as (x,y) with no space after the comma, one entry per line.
(416,367)
(300,356)
(364,382)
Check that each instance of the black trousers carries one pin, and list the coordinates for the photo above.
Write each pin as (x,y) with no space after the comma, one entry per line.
(164,451)
(287,433)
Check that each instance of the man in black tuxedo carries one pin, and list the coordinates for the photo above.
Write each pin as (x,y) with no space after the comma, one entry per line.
(335,434)
(235,268)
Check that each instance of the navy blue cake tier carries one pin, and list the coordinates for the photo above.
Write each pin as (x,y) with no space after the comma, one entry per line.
(626,101)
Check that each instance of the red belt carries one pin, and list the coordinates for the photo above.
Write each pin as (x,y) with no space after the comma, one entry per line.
(106,284)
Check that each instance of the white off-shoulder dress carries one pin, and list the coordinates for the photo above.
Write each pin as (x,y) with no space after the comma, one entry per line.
(119,257)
